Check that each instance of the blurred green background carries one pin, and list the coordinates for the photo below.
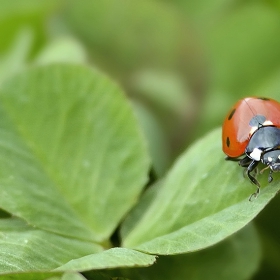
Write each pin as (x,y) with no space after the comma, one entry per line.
(182,64)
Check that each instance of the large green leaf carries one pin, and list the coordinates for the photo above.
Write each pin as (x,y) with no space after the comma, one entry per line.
(237,257)
(44,276)
(157,142)
(27,250)
(72,160)
(112,258)
(24,248)
(202,200)
(31,276)
(72,276)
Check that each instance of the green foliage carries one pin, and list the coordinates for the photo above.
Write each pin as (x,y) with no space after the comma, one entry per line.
(223,261)
(102,174)
(202,207)
(69,151)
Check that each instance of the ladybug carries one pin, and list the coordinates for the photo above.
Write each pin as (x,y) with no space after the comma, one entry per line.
(251,134)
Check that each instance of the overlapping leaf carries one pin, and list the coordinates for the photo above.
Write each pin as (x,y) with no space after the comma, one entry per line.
(201,201)
(67,138)
(112,258)
(237,257)
(24,248)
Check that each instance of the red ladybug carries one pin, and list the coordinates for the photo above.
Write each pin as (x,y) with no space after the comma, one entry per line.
(252,129)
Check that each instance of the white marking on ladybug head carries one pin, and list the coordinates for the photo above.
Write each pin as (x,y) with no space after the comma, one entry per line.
(269,159)
(267,122)
(252,130)
(256,154)
(279,157)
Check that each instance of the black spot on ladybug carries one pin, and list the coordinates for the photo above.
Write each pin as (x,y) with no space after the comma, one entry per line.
(257,120)
(228,142)
(231,114)
(263,98)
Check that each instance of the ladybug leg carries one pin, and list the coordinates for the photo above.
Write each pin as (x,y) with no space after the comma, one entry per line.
(265,169)
(250,168)
(254,172)
(270,178)
(245,162)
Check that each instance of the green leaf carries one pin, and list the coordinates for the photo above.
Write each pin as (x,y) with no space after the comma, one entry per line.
(156,138)
(72,276)
(72,159)
(270,237)
(31,276)
(24,248)
(202,200)
(112,258)
(237,257)
(44,276)
(64,49)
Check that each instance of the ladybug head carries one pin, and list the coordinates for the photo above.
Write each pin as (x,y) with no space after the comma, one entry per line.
(272,160)
(257,122)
